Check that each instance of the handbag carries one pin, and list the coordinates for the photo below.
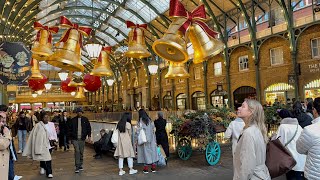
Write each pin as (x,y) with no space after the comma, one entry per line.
(115,137)
(142,138)
(279,159)
(162,160)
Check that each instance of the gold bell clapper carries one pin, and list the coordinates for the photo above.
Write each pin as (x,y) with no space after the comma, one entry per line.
(35,70)
(102,65)
(137,47)
(172,46)
(76,81)
(177,70)
(80,93)
(42,46)
(68,50)
(202,37)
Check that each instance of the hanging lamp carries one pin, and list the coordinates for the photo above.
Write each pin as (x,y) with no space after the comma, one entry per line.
(110,81)
(153,67)
(93,46)
(63,75)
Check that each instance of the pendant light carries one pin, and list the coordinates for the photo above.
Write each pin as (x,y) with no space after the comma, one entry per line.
(153,67)
(73,93)
(63,75)
(110,81)
(34,94)
(48,86)
(39,92)
(93,46)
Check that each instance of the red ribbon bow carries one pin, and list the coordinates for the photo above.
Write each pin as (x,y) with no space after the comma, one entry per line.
(135,26)
(65,22)
(38,26)
(197,16)
(107,49)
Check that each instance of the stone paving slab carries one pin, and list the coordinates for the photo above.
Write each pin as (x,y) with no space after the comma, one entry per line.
(106,168)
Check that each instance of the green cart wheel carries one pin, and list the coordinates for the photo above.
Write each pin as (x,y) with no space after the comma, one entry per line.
(184,149)
(213,153)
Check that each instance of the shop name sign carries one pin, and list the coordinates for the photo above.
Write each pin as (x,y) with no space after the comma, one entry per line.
(314,68)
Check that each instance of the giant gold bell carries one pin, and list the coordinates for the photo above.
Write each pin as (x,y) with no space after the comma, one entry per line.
(102,68)
(35,70)
(204,46)
(137,48)
(172,46)
(80,93)
(68,54)
(43,48)
(177,70)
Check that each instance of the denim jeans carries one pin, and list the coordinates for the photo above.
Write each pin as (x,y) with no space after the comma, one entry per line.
(22,136)
(11,169)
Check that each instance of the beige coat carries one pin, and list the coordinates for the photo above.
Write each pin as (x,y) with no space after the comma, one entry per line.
(124,148)
(37,147)
(4,155)
(250,156)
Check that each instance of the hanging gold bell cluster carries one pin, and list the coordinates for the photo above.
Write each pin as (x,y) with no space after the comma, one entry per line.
(137,45)
(186,27)
(67,54)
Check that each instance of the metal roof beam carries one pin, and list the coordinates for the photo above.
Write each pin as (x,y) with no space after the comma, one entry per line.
(222,11)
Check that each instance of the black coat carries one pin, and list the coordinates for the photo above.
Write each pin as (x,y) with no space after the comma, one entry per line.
(303,119)
(73,128)
(64,125)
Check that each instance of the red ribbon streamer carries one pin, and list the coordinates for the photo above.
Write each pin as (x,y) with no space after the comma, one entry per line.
(197,16)
(135,26)
(107,49)
(65,22)
(31,62)
(38,26)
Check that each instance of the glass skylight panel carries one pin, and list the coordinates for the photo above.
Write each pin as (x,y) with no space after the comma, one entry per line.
(103,16)
(161,5)
(115,22)
(111,8)
(126,15)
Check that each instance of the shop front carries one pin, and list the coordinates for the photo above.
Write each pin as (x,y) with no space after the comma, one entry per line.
(167,101)
(219,98)
(181,101)
(312,89)
(198,101)
(281,93)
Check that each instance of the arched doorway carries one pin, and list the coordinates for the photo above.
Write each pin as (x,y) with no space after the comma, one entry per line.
(155,103)
(198,101)
(219,98)
(167,101)
(279,93)
(181,101)
(312,89)
(242,93)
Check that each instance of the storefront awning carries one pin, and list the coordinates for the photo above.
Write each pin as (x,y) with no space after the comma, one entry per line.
(313,84)
(279,87)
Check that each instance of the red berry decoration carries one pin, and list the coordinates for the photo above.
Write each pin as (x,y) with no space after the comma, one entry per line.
(37,84)
(93,83)
(66,88)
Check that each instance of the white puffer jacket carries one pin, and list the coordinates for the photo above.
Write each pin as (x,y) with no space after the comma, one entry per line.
(309,144)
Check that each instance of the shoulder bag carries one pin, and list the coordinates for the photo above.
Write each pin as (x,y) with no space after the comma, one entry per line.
(279,159)
(142,138)
(115,137)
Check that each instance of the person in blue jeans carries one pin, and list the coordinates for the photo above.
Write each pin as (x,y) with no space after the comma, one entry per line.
(23,125)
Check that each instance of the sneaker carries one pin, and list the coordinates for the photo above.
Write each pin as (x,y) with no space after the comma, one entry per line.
(121,173)
(17,177)
(145,171)
(133,171)
(77,170)
(20,151)
(81,168)
(50,176)
(42,171)
(153,170)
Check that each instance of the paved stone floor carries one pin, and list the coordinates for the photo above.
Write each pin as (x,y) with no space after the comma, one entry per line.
(106,168)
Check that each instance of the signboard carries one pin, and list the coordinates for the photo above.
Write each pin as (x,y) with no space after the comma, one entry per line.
(14,63)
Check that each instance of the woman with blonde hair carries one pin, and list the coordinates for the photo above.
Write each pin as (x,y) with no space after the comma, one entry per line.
(250,154)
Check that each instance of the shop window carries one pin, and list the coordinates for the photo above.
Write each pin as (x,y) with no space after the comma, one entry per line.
(243,63)
(217,69)
(301,4)
(276,56)
(315,46)
(266,16)
(197,73)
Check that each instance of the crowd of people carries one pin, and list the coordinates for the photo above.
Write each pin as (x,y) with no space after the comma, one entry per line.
(39,134)
(299,132)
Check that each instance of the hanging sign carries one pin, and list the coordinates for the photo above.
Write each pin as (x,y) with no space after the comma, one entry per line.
(14,63)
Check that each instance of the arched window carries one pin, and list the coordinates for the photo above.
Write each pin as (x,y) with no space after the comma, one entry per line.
(198,101)
(181,101)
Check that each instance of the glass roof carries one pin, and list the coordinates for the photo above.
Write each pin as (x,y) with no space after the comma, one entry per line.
(109,16)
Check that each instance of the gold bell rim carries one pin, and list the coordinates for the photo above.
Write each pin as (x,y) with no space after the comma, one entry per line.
(174,44)
(62,63)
